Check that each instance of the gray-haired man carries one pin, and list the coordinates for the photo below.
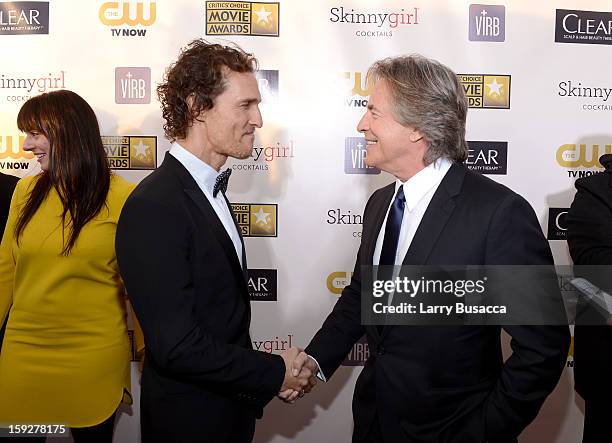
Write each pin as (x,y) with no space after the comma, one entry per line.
(438,383)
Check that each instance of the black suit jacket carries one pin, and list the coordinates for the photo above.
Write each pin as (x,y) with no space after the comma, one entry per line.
(7,186)
(449,384)
(589,237)
(201,379)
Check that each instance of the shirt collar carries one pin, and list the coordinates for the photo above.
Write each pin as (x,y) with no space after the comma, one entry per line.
(202,172)
(417,186)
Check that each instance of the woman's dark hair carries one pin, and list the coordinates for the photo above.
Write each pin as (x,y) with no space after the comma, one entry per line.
(78,168)
(199,73)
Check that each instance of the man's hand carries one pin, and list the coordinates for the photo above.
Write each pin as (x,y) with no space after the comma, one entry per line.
(299,375)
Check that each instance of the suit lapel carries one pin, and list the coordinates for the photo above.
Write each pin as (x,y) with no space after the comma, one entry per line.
(219,233)
(370,235)
(433,222)
(371,232)
(245,269)
(436,216)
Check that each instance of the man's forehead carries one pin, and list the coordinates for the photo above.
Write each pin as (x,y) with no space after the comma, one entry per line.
(378,95)
(241,85)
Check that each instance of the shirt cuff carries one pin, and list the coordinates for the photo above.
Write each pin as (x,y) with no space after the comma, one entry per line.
(320,374)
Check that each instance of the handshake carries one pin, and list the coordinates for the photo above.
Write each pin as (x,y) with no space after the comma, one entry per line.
(300,375)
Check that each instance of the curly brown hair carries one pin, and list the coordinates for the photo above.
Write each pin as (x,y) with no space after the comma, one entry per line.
(199,72)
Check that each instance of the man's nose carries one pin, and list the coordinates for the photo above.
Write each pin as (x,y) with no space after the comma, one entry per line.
(363,124)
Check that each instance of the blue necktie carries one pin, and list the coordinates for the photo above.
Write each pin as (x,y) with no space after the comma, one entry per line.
(390,241)
(392,229)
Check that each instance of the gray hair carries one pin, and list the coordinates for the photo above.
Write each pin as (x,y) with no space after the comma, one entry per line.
(428,97)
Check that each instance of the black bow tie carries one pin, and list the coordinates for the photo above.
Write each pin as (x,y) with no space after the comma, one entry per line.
(221,182)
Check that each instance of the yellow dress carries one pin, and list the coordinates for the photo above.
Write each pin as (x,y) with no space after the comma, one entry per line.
(65,357)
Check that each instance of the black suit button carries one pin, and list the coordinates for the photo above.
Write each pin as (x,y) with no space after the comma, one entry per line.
(380,350)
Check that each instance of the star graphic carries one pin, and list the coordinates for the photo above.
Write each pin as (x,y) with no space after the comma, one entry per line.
(263,16)
(262,217)
(494,87)
(141,149)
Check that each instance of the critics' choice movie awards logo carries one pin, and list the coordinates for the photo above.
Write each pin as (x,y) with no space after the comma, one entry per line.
(263,284)
(131,151)
(557,227)
(358,354)
(487,157)
(582,159)
(242,18)
(592,98)
(337,281)
(132,85)
(256,220)
(486,91)
(126,18)
(586,27)
(24,18)
(379,23)
(267,80)
(354,157)
(358,88)
(487,23)
(12,155)
(19,89)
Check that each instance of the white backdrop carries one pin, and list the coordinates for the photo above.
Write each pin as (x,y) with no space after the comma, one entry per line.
(312,105)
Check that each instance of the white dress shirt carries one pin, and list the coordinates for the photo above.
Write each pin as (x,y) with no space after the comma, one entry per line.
(205,176)
(418,190)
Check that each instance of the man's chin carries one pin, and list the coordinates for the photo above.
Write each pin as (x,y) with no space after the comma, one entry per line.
(242,155)
(371,164)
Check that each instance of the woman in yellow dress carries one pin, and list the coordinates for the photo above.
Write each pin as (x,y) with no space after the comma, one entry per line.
(65,358)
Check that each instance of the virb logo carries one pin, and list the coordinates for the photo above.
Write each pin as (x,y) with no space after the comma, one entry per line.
(133,85)
(487,23)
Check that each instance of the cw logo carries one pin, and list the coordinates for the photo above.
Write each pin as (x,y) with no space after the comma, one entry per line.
(10,150)
(358,87)
(574,156)
(336,281)
(112,15)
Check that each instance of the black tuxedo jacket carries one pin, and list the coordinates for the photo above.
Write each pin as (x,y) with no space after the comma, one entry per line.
(589,237)
(449,383)
(7,186)
(201,379)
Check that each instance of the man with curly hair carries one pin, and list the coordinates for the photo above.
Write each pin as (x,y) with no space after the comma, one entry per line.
(183,261)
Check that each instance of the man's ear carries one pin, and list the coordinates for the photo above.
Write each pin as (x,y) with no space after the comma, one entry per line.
(189,101)
(200,117)
(415,136)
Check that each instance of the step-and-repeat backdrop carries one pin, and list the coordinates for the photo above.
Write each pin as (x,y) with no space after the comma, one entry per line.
(535,73)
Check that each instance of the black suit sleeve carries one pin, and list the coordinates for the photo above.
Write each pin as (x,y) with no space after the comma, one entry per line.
(589,225)
(342,327)
(539,353)
(153,243)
